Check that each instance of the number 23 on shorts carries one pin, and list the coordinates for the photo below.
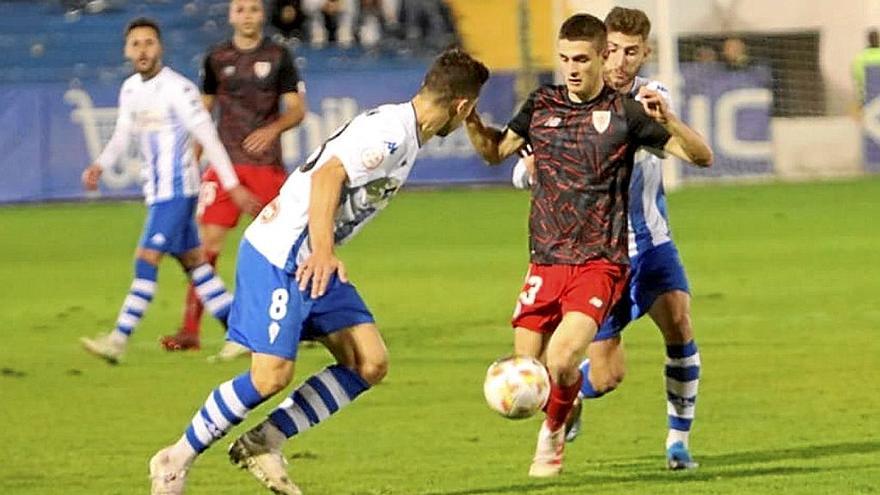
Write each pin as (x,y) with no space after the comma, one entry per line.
(529,294)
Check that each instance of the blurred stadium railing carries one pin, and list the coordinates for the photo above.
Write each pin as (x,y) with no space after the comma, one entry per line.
(779,108)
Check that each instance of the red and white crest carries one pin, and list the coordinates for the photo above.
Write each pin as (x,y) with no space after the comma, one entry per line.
(601,120)
(262,69)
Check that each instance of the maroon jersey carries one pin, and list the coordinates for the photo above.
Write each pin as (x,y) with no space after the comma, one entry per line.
(248,86)
(584,158)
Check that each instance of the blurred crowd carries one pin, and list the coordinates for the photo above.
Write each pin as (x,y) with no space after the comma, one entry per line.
(412,24)
(407,25)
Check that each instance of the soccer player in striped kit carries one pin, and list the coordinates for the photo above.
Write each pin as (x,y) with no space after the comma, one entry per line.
(163,110)
(657,284)
(290,285)
(584,135)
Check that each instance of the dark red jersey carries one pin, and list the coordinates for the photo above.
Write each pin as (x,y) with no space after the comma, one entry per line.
(248,86)
(584,159)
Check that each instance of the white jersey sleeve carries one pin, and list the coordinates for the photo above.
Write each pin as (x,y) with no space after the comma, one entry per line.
(186,102)
(122,133)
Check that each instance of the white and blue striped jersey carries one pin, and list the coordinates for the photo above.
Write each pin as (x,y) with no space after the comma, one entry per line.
(648,218)
(377,150)
(161,113)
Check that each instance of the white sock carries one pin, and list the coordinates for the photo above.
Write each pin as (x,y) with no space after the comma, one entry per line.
(182,454)
(677,436)
(118,338)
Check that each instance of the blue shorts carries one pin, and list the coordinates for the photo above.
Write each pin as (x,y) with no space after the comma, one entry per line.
(271,315)
(171,226)
(652,273)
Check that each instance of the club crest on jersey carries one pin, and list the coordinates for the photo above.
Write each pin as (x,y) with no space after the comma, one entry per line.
(261,69)
(372,158)
(601,120)
(269,212)
(229,70)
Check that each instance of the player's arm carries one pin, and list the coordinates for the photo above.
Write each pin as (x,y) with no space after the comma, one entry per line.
(493,145)
(293,104)
(188,106)
(327,183)
(262,138)
(115,148)
(208,102)
(683,142)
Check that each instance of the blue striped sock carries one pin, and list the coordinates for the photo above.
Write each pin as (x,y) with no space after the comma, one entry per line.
(224,408)
(143,287)
(587,390)
(211,291)
(315,400)
(682,383)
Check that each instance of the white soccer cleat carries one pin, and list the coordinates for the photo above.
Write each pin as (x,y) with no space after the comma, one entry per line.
(105,347)
(548,453)
(230,351)
(251,451)
(165,479)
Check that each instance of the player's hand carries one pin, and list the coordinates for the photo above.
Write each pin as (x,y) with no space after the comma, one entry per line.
(319,268)
(245,200)
(473,117)
(197,151)
(524,172)
(90,177)
(260,140)
(654,104)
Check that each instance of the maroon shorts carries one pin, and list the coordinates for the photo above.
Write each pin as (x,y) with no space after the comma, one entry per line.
(216,206)
(551,291)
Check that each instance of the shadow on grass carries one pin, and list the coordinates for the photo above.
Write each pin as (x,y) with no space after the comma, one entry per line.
(802,452)
(714,467)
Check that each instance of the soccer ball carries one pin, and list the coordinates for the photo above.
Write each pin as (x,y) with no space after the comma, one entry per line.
(517,387)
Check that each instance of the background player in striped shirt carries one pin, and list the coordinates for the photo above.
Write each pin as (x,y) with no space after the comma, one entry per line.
(162,109)
(250,79)
(657,284)
(584,135)
(290,284)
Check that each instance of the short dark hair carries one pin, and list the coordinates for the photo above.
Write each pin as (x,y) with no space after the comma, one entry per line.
(455,74)
(631,22)
(584,27)
(143,22)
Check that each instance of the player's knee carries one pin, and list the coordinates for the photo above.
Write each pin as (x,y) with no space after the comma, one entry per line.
(678,330)
(270,383)
(373,370)
(607,380)
(562,367)
(150,256)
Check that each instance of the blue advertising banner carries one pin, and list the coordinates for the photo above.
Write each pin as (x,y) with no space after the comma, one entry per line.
(871,120)
(55,131)
(732,109)
(52,131)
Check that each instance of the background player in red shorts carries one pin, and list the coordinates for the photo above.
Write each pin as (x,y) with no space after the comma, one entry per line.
(584,135)
(247,77)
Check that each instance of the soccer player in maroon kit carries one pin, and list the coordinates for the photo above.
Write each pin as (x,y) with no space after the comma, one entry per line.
(584,135)
(246,76)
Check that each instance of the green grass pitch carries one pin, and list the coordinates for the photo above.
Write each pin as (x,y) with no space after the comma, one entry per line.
(786,308)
